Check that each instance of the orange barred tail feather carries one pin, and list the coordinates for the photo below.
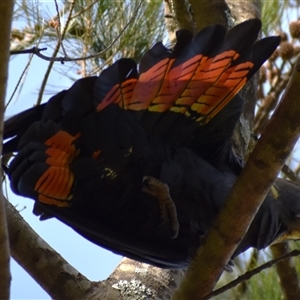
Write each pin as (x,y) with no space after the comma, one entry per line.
(116,84)
(41,170)
(196,80)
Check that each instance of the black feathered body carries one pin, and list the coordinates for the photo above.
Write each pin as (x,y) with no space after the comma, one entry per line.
(83,155)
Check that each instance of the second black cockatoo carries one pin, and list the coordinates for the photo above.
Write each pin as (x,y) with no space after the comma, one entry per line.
(138,160)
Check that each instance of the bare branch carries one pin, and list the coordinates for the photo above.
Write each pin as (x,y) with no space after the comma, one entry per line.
(27,51)
(194,15)
(59,43)
(22,75)
(61,36)
(250,274)
(54,274)
(244,10)
(62,281)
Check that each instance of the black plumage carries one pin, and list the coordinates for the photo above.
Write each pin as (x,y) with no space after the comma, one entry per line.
(140,161)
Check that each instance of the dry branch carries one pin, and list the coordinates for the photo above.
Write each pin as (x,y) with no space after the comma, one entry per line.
(43,263)
(249,274)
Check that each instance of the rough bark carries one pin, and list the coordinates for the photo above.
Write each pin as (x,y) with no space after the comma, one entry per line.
(136,281)
(6,8)
(244,10)
(178,15)
(212,12)
(268,157)
(242,141)
(288,276)
(194,15)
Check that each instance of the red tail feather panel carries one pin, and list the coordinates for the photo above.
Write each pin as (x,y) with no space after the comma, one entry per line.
(191,81)
(54,186)
(149,86)
(228,84)
(120,94)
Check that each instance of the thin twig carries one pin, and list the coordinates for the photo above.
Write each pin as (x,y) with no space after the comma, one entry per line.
(24,71)
(19,81)
(251,273)
(84,9)
(60,37)
(26,51)
(47,74)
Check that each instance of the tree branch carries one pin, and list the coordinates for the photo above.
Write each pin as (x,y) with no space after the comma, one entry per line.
(6,8)
(135,280)
(211,12)
(54,274)
(244,10)
(59,44)
(194,15)
(251,273)
(61,281)
(177,15)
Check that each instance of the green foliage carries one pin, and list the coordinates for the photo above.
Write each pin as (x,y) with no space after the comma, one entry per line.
(271,13)
(92,26)
(274,12)
(265,285)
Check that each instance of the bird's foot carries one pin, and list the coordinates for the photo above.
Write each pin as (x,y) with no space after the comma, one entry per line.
(160,191)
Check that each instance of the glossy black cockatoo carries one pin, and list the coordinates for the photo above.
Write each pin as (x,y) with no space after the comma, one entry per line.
(138,160)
